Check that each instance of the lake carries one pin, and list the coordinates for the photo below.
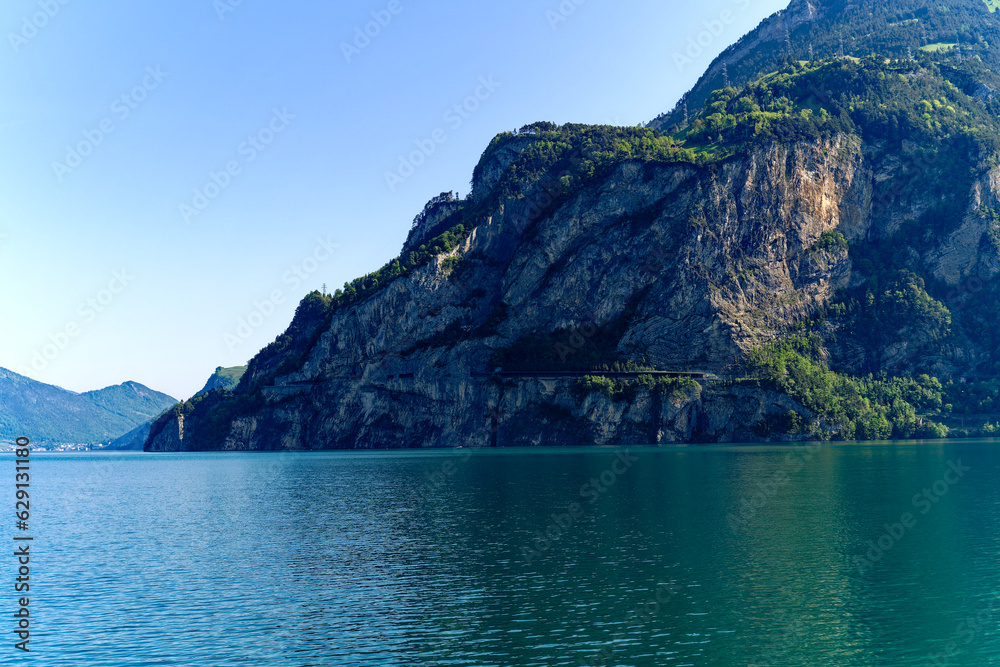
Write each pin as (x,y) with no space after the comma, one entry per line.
(826,554)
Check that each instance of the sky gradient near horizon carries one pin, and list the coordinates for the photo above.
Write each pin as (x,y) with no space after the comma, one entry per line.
(170,169)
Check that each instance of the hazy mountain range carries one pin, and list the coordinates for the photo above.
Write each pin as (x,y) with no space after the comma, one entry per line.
(120,415)
(46,413)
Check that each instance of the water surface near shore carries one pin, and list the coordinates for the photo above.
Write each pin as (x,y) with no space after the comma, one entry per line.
(846,554)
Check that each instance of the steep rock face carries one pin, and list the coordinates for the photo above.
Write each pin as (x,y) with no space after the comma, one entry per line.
(702,262)
(167,437)
(900,194)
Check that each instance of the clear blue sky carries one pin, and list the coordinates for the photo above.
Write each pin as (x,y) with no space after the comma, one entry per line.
(152,98)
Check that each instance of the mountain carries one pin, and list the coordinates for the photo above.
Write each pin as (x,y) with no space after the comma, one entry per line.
(967,31)
(134,439)
(46,413)
(810,253)
(222,378)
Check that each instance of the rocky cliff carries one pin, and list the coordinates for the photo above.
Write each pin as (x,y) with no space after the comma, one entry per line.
(712,260)
(850,201)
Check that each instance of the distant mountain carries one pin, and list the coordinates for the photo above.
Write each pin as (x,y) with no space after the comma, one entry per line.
(44,412)
(223,378)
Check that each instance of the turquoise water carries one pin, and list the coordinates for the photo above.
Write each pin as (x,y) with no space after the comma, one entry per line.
(687,556)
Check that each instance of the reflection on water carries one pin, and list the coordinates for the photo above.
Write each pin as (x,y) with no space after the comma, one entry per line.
(687,556)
